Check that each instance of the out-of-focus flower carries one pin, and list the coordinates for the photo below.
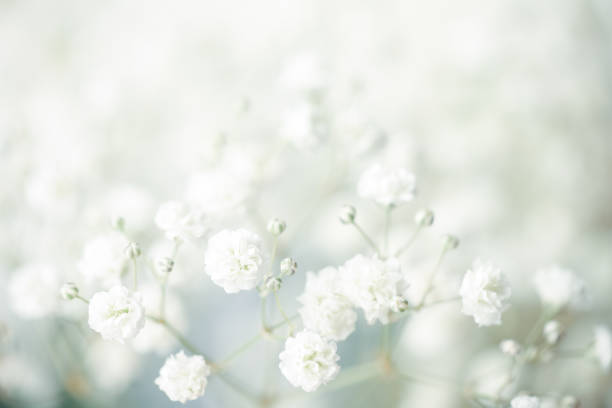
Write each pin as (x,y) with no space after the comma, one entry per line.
(116,314)
(217,191)
(130,203)
(178,221)
(558,287)
(552,331)
(305,126)
(602,346)
(304,73)
(183,378)
(373,285)
(34,291)
(325,309)
(485,293)
(387,186)
(510,347)
(104,259)
(111,366)
(309,361)
(233,259)
(525,401)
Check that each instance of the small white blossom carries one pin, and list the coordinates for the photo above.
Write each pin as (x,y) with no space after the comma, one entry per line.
(183,378)
(525,401)
(510,347)
(325,309)
(485,293)
(387,186)
(309,361)
(116,314)
(558,287)
(233,260)
(34,291)
(178,221)
(373,285)
(602,346)
(552,331)
(104,259)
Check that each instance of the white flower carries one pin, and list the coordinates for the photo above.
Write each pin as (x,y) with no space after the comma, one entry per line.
(116,314)
(510,347)
(233,260)
(485,293)
(104,259)
(217,191)
(309,361)
(178,221)
(558,287)
(34,291)
(183,378)
(325,309)
(387,186)
(374,286)
(552,331)
(602,346)
(525,401)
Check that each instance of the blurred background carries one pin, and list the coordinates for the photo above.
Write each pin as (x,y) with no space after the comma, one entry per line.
(253,110)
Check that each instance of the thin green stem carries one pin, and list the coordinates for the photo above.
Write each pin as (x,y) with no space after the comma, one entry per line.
(135,265)
(82,298)
(238,351)
(410,241)
(385,340)
(282,312)
(162,299)
(366,237)
(172,330)
(264,325)
(431,278)
(388,211)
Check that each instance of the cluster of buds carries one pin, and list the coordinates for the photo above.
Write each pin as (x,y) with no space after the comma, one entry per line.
(272,283)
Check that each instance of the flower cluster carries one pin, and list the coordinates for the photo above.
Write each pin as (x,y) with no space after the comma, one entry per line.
(183,378)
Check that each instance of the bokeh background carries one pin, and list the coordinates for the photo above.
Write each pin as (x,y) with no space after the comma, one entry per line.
(502,109)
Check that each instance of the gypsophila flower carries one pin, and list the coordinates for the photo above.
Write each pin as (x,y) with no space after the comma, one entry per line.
(178,221)
(387,186)
(510,347)
(373,285)
(233,260)
(69,291)
(485,293)
(288,266)
(552,331)
(347,214)
(309,361)
(602,346)
(525,401)
(558,287)
(183,378)
(116,314)
(33,291)
(325,309)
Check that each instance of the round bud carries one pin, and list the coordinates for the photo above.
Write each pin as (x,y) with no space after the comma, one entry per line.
(347,214)
(276,226)
(272,283)
(424,218)
(399,304)
(450,242)
(569,401)
(552,331)
(288,266)
(69,291)
(132,250)
(510,347)
(165,265)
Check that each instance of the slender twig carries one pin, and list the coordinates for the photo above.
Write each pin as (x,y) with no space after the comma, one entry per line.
(82,298)
(367,238)
(410,241)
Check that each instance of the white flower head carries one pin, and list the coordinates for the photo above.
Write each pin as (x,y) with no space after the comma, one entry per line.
(233,260)
(525,401)
(116,314)
(104,259)
(309,361)
(559,287)
(387,186)
(183,378)
(178,221)
(485,293)
(373,285)
(602,346)
(325,309)
(34,291)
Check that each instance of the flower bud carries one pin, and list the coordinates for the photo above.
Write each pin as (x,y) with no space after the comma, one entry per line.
(272,283)
(132,250)
(424,218)
(69,291)
(510,347)
(399,304)
(450,242)
(347,214)
(569,401)
(552,331)
(276,226)
(288,267)
(165,265)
